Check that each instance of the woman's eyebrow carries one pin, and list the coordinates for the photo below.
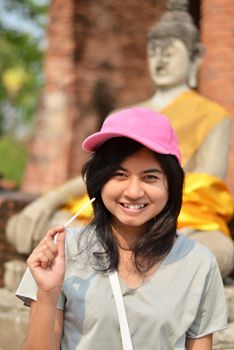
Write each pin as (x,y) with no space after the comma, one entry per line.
(121,168)
(153,170)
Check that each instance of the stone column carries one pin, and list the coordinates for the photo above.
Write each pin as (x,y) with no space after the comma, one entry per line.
(49,154)
(217,71)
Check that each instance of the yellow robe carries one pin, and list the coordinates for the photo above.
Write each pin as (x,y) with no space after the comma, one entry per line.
(193,117)
(207,204)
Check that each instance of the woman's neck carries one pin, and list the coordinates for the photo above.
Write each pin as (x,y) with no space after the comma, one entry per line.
(126,238)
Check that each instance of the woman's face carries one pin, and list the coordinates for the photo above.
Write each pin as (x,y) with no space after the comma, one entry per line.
(169,62)
(137,191)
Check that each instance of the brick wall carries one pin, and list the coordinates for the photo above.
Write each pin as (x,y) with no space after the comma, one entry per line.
(49,156)
(104,68)
(217,71)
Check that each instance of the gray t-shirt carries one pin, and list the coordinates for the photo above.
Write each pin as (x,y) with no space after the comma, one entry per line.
(184,297)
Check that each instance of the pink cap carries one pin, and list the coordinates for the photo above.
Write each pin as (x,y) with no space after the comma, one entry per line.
(150,128)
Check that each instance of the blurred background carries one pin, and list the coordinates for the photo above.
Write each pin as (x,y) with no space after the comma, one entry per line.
(64,65)
(22,47)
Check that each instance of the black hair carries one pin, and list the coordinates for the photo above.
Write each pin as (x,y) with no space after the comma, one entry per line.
(156,242)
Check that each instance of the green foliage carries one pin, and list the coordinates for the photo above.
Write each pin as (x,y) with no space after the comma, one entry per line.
(21,62)
(31,9)
(22,27)
(13,158)
(19,51)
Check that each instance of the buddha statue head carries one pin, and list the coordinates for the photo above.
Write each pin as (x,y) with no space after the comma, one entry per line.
(174,50)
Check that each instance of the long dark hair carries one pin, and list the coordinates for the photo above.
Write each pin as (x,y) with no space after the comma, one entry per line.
(156,242)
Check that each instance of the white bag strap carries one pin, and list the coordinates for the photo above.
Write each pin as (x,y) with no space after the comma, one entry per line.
(123,322)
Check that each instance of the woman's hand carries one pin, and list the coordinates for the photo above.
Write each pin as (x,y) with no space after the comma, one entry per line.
(47,261)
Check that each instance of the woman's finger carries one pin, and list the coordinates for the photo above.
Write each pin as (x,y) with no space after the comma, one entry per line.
(51,254)
(52,232)
(60,243)
(43,257)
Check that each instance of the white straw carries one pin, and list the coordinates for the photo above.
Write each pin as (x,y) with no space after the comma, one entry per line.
(78,213)
(75,216)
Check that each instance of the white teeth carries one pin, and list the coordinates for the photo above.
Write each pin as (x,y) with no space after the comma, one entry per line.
(134,206)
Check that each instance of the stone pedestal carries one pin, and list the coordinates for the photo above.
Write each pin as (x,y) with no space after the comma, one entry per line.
(224,340)
(13,321)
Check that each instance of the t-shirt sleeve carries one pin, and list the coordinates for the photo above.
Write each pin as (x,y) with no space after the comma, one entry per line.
(212,311)
(27,291)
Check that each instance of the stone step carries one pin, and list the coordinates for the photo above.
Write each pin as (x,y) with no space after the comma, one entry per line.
(224,340)
(13,321)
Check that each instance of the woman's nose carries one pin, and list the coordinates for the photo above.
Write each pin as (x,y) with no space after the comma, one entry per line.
(134,188)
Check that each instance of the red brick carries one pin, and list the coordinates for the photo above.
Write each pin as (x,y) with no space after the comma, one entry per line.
(217,73)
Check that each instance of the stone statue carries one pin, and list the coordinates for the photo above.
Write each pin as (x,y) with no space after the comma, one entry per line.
(203,129)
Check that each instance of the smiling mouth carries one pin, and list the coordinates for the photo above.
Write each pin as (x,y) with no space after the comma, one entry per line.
(133,206)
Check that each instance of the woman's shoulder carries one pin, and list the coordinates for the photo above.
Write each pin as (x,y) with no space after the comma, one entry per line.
(193,252)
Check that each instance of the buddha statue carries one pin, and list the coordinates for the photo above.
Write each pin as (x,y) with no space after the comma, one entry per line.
(203,129)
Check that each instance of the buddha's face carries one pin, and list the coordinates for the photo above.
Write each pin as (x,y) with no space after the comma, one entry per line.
(169,62)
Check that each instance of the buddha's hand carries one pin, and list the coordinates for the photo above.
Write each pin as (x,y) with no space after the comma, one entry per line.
(47,261)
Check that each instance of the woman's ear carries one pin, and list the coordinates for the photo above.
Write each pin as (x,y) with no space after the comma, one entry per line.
(194,66)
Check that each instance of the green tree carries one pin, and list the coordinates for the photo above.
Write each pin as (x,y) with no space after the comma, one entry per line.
(21,52)
(22,25)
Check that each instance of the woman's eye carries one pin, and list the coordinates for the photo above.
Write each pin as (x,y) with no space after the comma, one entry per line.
(151,178)
(119,174)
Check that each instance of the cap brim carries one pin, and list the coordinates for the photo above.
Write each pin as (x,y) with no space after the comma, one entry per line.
(93,142)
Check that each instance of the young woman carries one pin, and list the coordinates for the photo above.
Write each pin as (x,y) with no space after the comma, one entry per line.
(171,286)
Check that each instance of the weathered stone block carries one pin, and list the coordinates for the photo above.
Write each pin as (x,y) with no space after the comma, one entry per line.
(13,321)
(229,293)
(224,340)
(13,273)
(11,202)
